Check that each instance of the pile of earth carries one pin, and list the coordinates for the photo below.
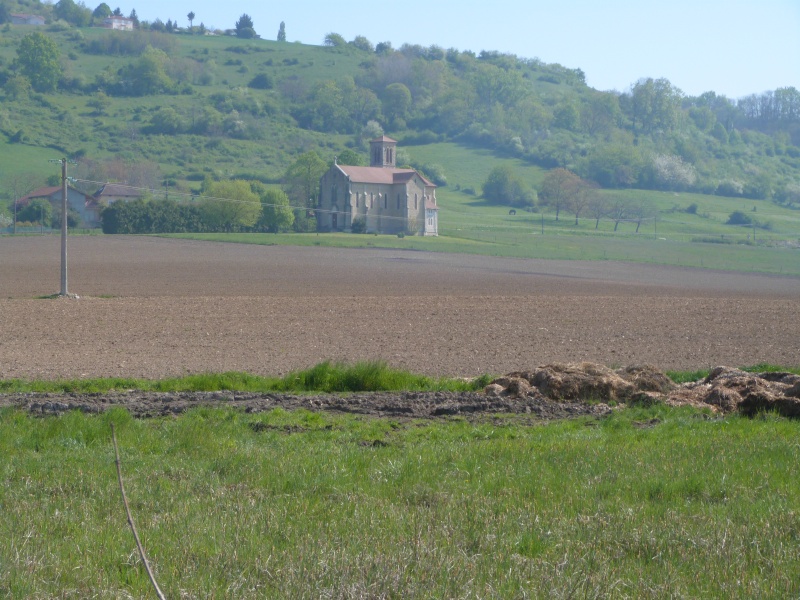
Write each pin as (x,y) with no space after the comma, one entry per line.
(555,391)
(723,390)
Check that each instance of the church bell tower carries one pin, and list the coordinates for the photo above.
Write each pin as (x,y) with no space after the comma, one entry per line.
(382,152)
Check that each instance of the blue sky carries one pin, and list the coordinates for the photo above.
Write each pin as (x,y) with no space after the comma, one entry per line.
(733,47)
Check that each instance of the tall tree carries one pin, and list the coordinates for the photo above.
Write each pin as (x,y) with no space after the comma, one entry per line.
(582,198)
(282,32)
(38,60)
(190,16)
(396,103)
(102,11)
(334,40)
(654,105)
(504,187)
(245,28)
(229,205)
(557,189)
(75,14)
(301,181)
(598,208)
(276,211)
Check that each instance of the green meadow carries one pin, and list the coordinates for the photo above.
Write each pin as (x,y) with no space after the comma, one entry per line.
(564,247)
(646,503)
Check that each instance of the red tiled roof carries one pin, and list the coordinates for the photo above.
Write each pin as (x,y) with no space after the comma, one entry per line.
(44,192)
(384,138)
(47,192)
(385,175)
(430,204)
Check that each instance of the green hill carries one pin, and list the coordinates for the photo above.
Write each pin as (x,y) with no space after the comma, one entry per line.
(152,108)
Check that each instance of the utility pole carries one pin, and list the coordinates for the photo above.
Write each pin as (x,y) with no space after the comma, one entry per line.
(64,290)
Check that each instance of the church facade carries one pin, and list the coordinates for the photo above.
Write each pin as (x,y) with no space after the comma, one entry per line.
(377,199)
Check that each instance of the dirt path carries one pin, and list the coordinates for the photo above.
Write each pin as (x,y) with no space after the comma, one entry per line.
(403,406)
(152,308)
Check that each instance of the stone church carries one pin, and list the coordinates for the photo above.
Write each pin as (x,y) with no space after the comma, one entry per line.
(382,197)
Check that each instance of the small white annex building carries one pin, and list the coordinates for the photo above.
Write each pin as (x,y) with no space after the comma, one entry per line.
(26,19)
(382,197)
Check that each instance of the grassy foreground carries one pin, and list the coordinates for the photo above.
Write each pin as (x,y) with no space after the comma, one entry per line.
(648,503)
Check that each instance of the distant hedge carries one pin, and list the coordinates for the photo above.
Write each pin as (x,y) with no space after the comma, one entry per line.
(152,216)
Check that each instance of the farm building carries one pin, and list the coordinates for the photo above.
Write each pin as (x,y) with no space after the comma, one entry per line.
(117,192)
(86,206)
(23,19)
(380,198)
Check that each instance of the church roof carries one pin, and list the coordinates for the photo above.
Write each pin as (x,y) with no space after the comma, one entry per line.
(385,139)
(385,175)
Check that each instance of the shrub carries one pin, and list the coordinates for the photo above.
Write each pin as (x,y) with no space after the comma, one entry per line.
(359,225)
(737,217)
(262,81)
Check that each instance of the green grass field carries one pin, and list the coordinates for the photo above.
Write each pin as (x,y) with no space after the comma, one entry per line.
(647,503)
(774,260)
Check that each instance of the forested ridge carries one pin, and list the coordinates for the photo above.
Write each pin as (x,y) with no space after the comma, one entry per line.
(171,106)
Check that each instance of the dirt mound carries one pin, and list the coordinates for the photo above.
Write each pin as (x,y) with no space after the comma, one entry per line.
(729,390)
(723,390)
(556,391)
(585,382)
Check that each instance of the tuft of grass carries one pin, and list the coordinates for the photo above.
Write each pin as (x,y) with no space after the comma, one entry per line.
(375,376)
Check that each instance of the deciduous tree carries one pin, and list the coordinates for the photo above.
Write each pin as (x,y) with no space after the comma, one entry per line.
(362,43)
(75,14)
(102,11)
(654,105)
(38,210)
(334,40)
(245,28)
(276,210)
(38,60)
(558,187)
(504,187)
(301,180)
(229,205)
(396,102)
(350,157)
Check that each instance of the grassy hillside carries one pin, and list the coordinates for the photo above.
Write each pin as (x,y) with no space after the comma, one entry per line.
(154,109)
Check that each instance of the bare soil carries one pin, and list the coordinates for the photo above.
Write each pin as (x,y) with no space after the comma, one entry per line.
(154,308)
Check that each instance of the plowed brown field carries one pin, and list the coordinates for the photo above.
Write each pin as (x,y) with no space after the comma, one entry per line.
(152,308)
